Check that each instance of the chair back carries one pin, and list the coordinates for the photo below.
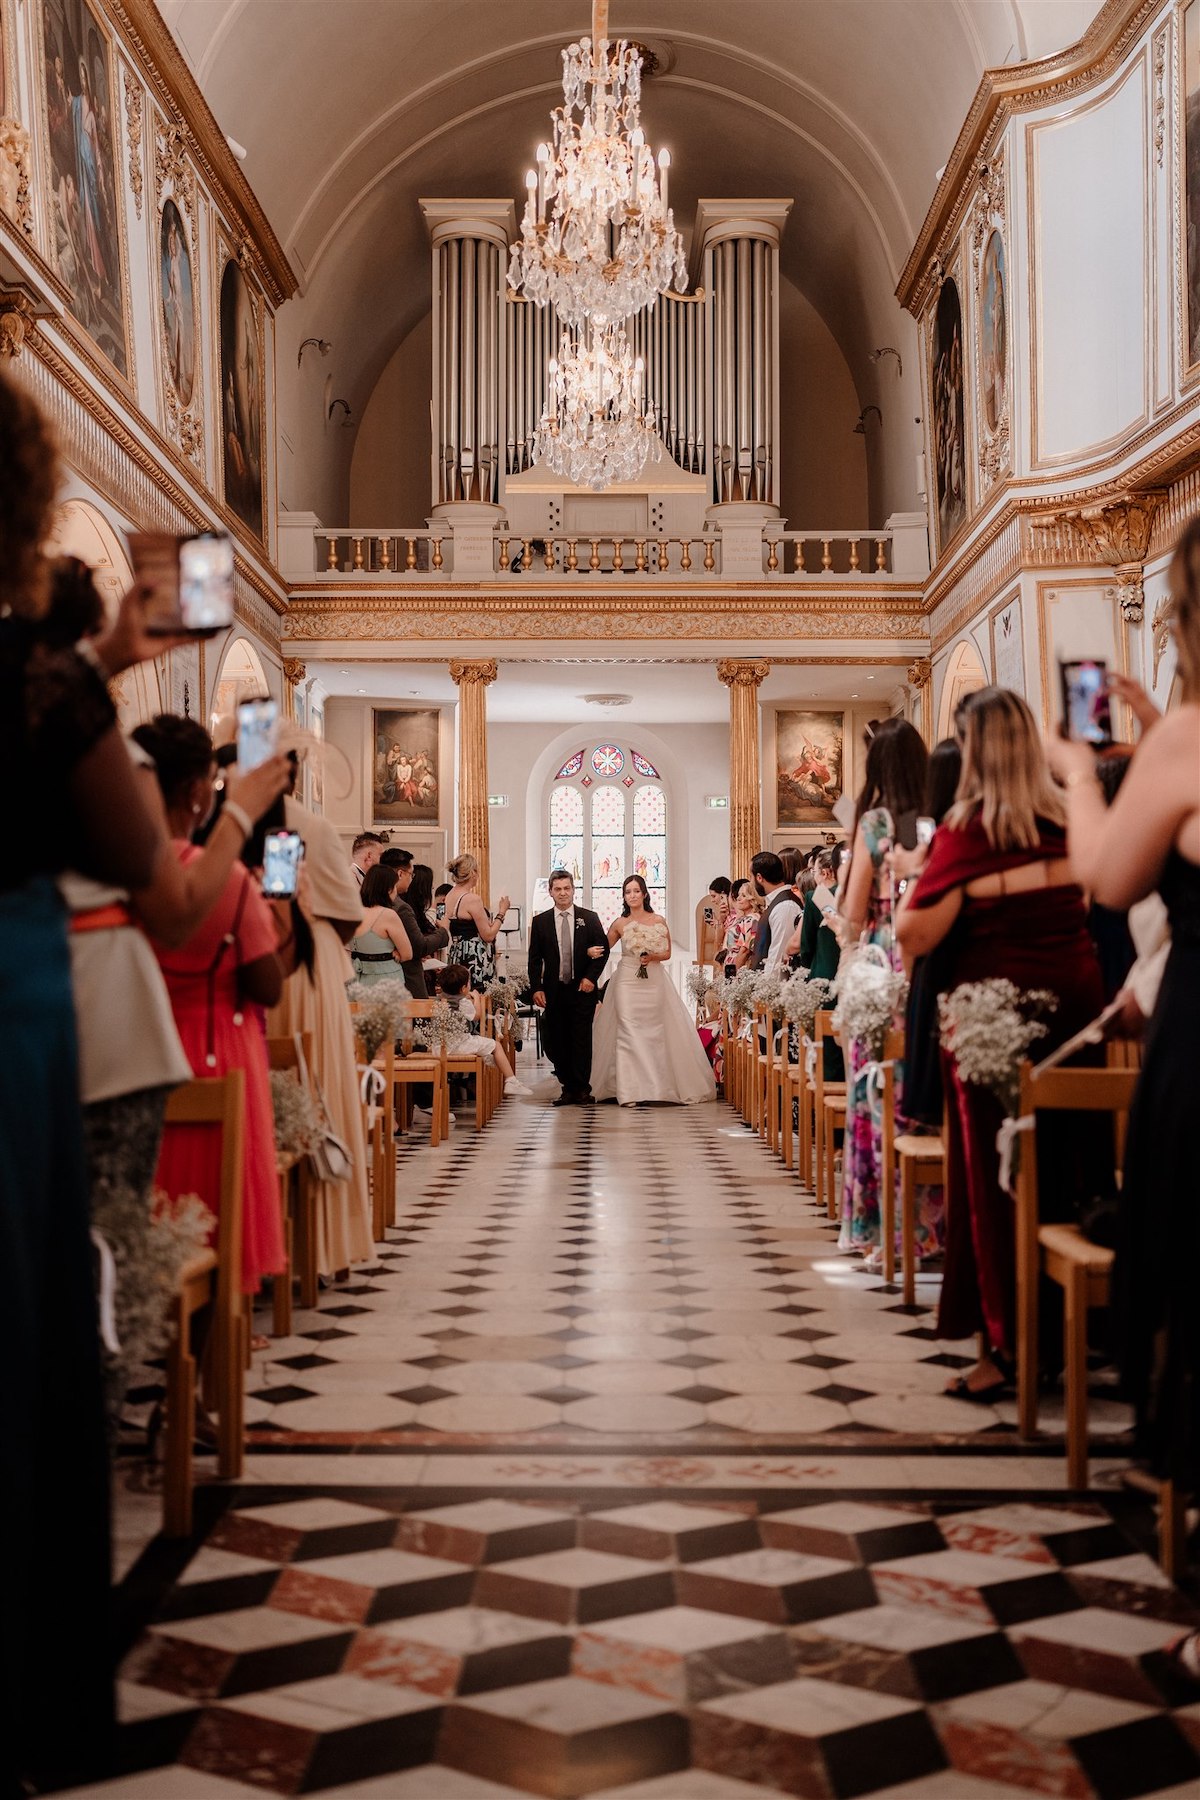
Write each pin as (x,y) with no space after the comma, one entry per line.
(286,1052)
(822,1028)
(221,1101)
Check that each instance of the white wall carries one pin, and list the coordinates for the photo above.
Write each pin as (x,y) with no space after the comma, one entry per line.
(390,471)
(823,461)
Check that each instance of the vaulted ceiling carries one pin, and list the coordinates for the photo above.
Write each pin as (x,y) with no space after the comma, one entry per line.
(351,109)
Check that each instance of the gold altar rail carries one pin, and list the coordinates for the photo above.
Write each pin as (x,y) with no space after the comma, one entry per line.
(425,555)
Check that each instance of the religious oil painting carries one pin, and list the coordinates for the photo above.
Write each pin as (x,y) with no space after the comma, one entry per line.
(177,291)
(808,766)
(949,423)
(241,401)
(84,197)
(405,773)
(1191,160)
(993,333)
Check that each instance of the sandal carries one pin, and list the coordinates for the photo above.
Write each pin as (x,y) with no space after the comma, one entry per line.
(958,1389)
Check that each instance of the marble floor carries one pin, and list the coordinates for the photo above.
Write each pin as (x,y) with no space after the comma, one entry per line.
(610,1476)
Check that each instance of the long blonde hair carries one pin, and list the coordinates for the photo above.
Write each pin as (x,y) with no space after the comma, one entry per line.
(1005,776)
(1185,610)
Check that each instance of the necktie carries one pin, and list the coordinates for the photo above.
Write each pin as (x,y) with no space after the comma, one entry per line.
(565,968)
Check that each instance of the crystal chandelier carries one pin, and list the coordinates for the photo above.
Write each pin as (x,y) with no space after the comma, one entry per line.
(598,239)
(596,428)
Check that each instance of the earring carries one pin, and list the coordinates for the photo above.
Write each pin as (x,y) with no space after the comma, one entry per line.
(195,807)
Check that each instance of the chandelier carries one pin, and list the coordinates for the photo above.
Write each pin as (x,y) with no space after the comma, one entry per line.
(598,239)
(596,428)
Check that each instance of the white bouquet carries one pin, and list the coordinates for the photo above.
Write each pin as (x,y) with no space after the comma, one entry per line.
(988,1026)
(738,992)
(768,990)
(803,998)
(503,996)
(382,1009)
(870,994)
(149,1246)
(298,1128)
(643,940)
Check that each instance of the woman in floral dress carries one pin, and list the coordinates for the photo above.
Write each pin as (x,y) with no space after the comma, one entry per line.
(894,786)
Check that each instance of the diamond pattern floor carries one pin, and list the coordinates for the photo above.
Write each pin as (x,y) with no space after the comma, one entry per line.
(611,1477)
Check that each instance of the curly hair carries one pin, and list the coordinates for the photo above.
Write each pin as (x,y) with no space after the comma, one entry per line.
(29,458)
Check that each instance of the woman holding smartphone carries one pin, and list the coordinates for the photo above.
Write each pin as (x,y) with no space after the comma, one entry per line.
(381,944)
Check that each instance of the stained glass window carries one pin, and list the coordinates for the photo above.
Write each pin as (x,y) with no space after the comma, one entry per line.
(620,830)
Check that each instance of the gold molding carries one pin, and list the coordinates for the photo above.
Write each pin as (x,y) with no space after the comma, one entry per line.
(1000,94)
(133,126)
(16,173)
(479,673)
(16,322)
(178,93)
(1119,532)
(294,671)
(731,673)
(1160,632)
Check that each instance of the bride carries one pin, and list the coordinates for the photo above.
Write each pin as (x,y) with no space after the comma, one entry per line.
(646,1046)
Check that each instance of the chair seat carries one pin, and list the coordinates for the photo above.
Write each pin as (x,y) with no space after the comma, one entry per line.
(925,1149)
(1069,1243)
(197,1268)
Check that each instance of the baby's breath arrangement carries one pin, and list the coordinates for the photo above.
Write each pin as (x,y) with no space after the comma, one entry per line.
(988,1026)
(445,1025)
(738,993)
(702,989)
(768,990)
(382,1009)
(150,1243)
(297,1121)
(870,995)
(803,998)
(503,996)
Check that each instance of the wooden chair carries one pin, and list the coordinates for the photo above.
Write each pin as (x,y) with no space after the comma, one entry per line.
(791,1082)
(771,1123)
(829,1112)
(424,1068)
(379,1119)
(211,1278)
(708,933)
(807,1085)
(298,1200)
(910,1159)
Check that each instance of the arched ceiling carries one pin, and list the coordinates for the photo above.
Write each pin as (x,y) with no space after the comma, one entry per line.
(350,110)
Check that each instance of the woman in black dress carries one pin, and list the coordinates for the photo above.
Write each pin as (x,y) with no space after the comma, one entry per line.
(1150,838)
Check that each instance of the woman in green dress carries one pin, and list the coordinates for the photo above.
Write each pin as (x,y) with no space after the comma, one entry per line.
(380,944)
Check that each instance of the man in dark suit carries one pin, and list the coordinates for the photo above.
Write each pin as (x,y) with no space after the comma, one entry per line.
(567,950)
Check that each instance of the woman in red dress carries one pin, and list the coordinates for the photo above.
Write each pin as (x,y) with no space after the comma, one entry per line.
(219,982)
(997,876)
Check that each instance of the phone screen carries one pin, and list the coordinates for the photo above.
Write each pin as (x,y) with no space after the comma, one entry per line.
(257,730)
(1086,713)
(206,581)
(282,851)
(925,829)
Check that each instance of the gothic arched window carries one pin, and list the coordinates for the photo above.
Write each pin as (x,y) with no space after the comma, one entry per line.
(607,820)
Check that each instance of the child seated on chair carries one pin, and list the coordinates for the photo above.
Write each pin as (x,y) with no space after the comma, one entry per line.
(453,985)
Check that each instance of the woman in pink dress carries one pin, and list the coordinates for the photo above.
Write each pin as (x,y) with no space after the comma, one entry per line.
(219,981)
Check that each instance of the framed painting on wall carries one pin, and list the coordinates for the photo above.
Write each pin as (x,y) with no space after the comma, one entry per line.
(84,197)
(405,765)
(1191,182)
(241,399)
(948,413)
(808,766)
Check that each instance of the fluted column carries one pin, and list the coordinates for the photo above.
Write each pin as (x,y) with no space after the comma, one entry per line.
(743,679)
(294,673)
(472,680)
(740,260)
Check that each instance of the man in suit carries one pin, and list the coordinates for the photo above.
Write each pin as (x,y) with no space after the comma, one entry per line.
(567,950)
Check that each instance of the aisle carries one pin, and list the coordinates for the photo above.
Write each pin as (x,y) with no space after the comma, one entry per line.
(611,1476)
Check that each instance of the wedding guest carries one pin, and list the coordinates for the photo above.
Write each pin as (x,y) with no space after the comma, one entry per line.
(1109,925)
(815,945)
(473,929)
(316,1002)
(439,900)
(396,858)
(228,966)
(781,911)
(453,986)
(365,853)
(380,949)
(424,934)
(998,877)
(1150,839)
(922,1097)
(893,789)
(741,927)
(71,793)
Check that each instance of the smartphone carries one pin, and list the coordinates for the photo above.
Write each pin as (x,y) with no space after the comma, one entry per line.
(925,830)
(1086,714)
(282,851)
(190,582)
(257,732)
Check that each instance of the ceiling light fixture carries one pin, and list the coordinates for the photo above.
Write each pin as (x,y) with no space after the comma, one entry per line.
(597,427)
(598,239)
(607,699)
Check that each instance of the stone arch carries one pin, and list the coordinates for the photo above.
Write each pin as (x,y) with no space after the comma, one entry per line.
(965,674)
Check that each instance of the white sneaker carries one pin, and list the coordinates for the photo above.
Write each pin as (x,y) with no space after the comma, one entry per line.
(423,1115)
(514,1086)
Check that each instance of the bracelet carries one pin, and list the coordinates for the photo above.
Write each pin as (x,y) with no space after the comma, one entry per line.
(240,817)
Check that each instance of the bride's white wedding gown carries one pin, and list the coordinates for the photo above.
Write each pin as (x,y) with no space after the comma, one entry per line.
(644,1044)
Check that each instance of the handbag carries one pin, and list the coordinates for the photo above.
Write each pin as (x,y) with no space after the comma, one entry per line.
(331,1158)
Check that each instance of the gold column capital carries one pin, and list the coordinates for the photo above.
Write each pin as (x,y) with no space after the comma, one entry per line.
(732,672)
(16,321)
(919,672)
(1119,530)
(480,672)
(294,671)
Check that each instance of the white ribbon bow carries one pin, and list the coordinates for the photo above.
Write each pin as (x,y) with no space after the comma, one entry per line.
(108,1294)
(810,1055)
(872,1074)
(1006,1144)
(371,1088)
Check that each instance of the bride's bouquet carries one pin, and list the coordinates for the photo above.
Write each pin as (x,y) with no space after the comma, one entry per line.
(643,940)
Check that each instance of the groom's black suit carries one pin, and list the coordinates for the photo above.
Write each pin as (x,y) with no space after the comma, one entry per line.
(567,1025)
